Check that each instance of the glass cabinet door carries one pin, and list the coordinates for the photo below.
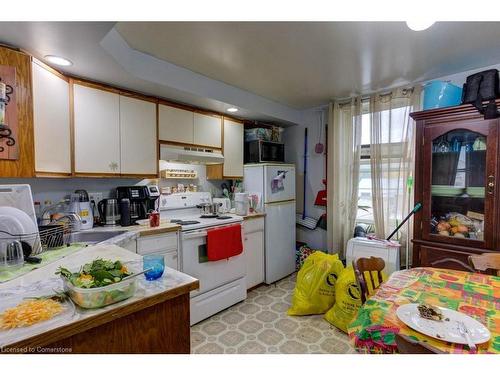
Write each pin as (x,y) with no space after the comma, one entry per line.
(461,180)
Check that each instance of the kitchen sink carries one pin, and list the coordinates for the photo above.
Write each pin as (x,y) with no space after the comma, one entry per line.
(93,237)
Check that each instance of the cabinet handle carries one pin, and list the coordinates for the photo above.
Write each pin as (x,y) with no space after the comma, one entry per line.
(491,184)
(113,165)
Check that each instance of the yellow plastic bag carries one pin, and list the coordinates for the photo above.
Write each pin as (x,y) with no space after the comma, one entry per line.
(315,289)
(347,299)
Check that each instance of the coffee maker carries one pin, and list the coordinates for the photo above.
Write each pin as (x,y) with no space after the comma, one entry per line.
(143,199)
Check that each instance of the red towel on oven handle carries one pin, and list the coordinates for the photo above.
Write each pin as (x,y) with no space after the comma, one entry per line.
(225,242)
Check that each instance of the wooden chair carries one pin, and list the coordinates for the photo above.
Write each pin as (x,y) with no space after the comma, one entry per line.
(487,263)
(366,268)
(408,346)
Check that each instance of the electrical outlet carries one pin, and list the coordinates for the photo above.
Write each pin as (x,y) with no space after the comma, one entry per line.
(95,196)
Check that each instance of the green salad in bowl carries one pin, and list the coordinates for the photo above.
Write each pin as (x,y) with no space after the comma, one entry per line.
(99,283)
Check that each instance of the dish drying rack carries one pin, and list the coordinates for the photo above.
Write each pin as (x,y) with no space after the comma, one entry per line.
(57,234)
(52,236)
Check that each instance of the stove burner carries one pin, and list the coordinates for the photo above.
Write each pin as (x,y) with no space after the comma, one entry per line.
(224,217)
(184,222)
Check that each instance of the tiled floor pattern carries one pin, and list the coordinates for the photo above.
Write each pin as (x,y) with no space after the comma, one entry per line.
(260,325)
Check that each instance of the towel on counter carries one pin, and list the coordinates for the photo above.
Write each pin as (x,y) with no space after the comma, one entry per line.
(225,242)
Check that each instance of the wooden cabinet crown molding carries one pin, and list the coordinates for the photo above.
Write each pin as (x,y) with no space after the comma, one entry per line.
(459,112)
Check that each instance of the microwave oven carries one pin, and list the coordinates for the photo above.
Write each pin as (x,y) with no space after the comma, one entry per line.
(260,151)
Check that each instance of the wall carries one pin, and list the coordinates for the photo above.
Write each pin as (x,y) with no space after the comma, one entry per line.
(459,78)
(294,153)
(201,181)
(56,189)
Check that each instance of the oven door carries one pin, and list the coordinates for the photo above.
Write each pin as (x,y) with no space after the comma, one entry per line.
(211,275)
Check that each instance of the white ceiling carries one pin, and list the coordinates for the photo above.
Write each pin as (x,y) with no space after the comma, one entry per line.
(82,43)
(272,70)
(304,64)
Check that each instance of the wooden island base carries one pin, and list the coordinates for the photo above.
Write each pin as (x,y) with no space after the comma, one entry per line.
(151,325)
(162,328)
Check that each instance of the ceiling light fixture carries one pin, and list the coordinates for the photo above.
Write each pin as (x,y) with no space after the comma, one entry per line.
(419,25)
(61,61)
(232,109)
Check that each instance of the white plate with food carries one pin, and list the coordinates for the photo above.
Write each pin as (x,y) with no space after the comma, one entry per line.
(442,323)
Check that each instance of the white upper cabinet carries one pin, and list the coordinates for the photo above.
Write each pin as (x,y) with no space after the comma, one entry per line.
(207,130)
(138,144)
(175,124)
(233,149)
(96,130)
(51,121)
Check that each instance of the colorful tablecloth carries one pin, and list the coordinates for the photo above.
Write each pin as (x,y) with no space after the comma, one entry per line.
(374,328)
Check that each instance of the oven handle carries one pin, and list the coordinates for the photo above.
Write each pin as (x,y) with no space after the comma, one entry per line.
(188,235)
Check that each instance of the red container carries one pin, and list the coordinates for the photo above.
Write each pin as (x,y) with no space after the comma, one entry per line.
(154,219)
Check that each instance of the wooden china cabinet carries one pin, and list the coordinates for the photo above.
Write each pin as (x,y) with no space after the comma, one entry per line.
(456,178)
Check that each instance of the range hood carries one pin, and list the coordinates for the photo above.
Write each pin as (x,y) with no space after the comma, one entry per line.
(190,154)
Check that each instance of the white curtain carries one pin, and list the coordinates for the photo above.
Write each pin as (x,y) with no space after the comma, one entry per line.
(344,146)
(392,150)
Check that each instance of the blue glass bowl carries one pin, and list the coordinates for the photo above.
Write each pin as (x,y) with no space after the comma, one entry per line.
(157,265)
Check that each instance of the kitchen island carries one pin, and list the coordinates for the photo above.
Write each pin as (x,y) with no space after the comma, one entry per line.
(154,320)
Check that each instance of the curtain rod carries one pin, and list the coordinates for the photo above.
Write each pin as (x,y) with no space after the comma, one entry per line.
(368,96)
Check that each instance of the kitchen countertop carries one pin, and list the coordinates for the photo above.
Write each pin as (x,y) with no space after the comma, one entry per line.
(134,232)
(172,284)
(254,215)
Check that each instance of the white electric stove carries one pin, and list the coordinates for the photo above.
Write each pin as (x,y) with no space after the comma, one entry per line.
(222,283)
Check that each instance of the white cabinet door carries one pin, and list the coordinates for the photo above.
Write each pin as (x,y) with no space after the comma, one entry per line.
(171,260)
(254,251)
(138,144)
(51,121)
(207,130)
(97,130)
(175,125)
(233,149)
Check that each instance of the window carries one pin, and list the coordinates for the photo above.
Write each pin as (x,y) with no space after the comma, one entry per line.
(393,172)
(365,210)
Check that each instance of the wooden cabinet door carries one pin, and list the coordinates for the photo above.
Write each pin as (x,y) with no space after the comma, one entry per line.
(138,143)
(175,125)
(459,177)
(207,130)
(233,149)
(96,131)
(254,251)
(51,119)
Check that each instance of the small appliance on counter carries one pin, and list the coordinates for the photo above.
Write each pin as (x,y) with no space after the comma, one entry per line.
(241,203)
(109,211)
(125,213)
(224,204)
(143,199)
(80,205)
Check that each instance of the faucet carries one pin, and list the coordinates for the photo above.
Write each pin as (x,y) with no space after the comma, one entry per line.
(74,219)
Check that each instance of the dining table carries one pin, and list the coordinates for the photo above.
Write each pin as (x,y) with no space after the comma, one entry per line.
(376,324)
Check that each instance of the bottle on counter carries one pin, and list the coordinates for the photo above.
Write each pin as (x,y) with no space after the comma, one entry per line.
(125,219)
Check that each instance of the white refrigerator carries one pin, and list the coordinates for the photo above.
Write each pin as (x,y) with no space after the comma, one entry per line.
(276,185)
